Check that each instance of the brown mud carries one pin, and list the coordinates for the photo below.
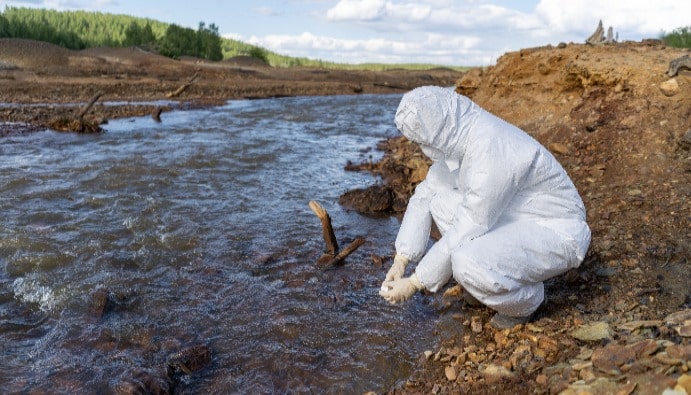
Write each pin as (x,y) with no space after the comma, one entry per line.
(617,122)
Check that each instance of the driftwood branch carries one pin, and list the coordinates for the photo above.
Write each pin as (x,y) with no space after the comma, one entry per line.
(156,114)
(349,249)
(184,86)
(387,85)
(88,106)
(327,229)
(332,256)
(77,124)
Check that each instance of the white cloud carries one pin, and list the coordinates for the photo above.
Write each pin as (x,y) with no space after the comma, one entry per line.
(635,18)
(267,11)
(445,49)
(61,4)
(357,10)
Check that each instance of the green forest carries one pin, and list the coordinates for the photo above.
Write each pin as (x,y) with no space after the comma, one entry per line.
(84,29)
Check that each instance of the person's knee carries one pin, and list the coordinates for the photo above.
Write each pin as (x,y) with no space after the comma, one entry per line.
(472,275)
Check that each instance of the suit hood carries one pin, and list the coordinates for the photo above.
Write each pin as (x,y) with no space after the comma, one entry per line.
(437,117)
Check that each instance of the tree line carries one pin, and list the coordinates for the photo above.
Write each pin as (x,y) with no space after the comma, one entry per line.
(82,29)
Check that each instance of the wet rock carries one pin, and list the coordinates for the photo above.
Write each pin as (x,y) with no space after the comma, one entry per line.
(189,360)
(144,381)
(99,303)
(593,332)
(374,199)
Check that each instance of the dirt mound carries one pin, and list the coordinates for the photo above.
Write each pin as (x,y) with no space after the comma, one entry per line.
(246,61)
(131,56)
(32,54)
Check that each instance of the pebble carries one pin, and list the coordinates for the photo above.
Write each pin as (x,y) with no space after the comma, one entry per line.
(450,373)
(593,332)
(670,87)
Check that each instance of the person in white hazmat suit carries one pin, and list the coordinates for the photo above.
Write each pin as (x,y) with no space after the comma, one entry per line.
(509,215)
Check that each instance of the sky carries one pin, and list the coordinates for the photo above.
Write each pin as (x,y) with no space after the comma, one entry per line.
(442,32)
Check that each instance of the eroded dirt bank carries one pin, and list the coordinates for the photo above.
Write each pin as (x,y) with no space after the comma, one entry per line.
(35,72)
(621,127)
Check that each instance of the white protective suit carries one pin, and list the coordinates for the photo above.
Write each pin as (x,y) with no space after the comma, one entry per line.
(509,215)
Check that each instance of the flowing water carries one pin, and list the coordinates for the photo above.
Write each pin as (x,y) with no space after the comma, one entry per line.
(200,230)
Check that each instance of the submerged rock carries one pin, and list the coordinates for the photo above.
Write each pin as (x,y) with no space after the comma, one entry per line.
(189,360)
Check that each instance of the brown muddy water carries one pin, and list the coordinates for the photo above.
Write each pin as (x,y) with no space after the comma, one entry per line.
(200,230)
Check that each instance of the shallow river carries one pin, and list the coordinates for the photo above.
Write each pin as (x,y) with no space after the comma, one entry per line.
(199,228)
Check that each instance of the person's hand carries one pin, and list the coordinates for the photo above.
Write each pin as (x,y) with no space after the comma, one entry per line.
(400,290)
(397,269)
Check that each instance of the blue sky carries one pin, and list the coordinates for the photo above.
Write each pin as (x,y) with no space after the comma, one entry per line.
(448,32)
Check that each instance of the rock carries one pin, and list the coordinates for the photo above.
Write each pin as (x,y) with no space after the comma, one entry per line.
(189,360)
(144,381)
(681,322)
(683,62)
(595,331)
(609,359)
(521,357)
(670,87)
(494,374)
(685,142)
(679,317)
(633,325)
(374,199)
(450,373)
(541,380)
(100,300)
(684,382)
(559,148)
(627,389)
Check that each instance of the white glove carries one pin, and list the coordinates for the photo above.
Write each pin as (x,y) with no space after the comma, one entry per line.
(397,269)
(400,290)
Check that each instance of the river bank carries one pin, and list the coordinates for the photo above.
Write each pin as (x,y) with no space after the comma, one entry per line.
(34,72)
